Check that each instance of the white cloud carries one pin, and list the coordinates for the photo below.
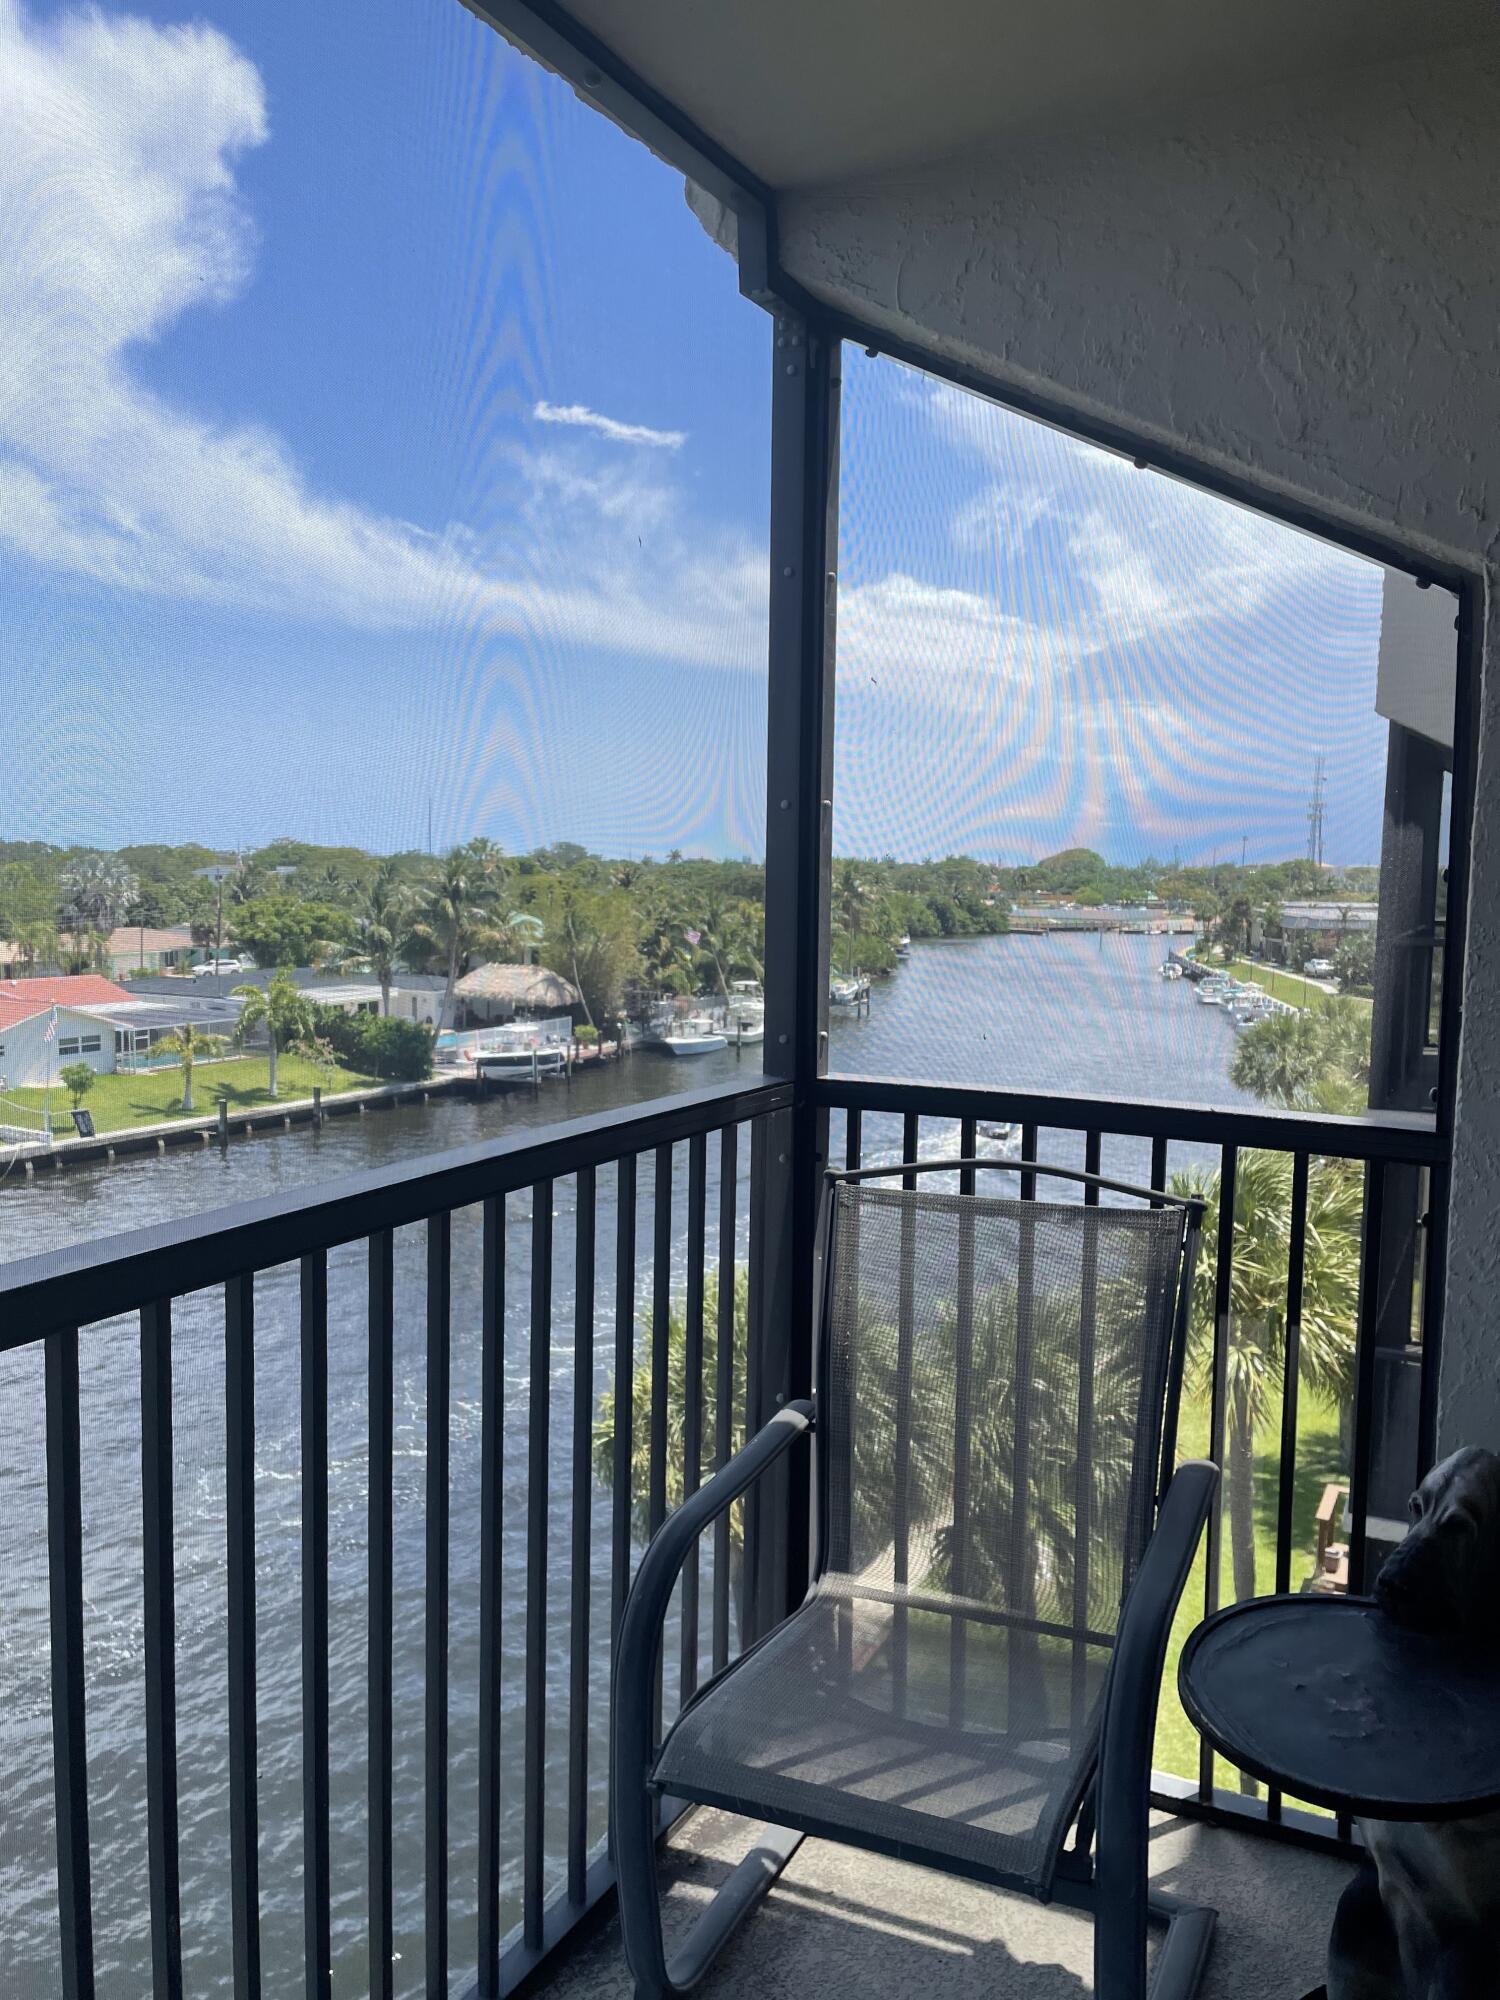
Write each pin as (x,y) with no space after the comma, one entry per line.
(119,141)
(581,417)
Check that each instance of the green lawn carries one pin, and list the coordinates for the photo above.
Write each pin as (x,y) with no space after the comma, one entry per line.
(118,1102)
(1288,986)
(1318,1462)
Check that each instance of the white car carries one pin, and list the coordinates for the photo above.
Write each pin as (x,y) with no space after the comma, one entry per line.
(1319,968)
(224,965)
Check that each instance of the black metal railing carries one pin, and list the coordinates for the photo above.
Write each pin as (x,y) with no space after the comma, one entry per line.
(1389,1442)
(446,1255)
(530,1866)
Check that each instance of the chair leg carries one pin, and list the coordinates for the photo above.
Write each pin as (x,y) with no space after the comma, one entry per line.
(656,1976)
(1184,1949)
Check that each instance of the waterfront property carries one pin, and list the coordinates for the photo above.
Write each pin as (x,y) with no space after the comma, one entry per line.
(323,1507)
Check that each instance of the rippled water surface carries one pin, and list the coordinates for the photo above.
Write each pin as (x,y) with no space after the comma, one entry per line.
(1063,1013)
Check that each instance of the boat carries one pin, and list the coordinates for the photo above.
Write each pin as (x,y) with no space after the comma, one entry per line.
(847,992)
(745,1012)
(1215,990)
(695,1035)
(1170,969)
(498,1065)
(999,1133)
(903,949)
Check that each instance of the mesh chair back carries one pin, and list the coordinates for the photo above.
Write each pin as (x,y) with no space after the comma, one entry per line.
(990,1414)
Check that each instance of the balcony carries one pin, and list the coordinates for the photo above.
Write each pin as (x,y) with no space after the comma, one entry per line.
(461,1827)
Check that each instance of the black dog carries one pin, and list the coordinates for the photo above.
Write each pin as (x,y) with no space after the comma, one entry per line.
(1421,1920)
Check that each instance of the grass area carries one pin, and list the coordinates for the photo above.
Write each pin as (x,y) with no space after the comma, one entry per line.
(1318,1462)
(120,1101)
(1288,986)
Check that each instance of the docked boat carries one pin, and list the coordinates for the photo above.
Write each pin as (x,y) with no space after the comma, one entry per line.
(1170,969)
(695,1035)
(903,949)
(1215,990)
(847,992)
(518,1064)
(745,1012)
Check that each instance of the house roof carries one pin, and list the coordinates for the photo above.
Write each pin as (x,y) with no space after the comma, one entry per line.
(133,938)
(521,985)
(77,989)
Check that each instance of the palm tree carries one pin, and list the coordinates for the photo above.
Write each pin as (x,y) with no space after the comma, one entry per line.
(382,922)
(96,888)
(851,902)
(190,1046)
(35,941)
(456,915)
(283,1007)
(1257,1308)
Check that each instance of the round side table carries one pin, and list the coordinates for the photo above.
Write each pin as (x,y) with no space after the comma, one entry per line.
(1329,1700)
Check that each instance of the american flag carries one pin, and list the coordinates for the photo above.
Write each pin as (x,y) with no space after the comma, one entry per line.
(51,1034)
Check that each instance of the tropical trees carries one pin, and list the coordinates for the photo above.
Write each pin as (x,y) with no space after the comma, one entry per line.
(1316,1060)
(282,929)
(382,922)
(285,1010)
(96,890)
(1256,1331)
(191,1046)
(456,915)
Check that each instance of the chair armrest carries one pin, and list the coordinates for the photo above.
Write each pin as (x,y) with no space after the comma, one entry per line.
(651,1592)
(1130,1710)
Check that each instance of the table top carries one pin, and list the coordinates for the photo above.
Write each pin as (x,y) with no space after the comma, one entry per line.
(1329,1699)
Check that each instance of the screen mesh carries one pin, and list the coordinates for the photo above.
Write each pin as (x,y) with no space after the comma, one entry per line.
(989,1422)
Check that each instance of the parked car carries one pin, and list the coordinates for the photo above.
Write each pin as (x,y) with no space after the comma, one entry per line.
(1319,968)
(224,965)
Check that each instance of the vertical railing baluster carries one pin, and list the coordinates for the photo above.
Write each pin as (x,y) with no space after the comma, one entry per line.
(316,1875)
(692,1416)
(65,1610)
(1158,1165)
(963,1418)
(854,1139)
(381,1328)
(1291,1382)
(911,1139)
(661,1311)
(750,1507)
(491,1544)
(580,1565)
(538,1444)
(160,1650)
(435,1608)
(1020,1653)
(624,1408)
(239,1486)
(1217,1410)
(1083,1497)
(1364,1375)
(724,1378)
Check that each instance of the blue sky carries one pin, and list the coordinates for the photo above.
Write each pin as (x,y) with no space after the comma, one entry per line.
(379,430)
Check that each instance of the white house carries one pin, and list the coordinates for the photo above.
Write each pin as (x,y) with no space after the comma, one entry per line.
(28,1060)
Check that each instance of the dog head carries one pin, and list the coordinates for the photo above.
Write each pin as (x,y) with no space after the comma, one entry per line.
(1445,1576)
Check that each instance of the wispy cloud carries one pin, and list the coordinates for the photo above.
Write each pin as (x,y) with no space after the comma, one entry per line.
(119,144)
(580,417)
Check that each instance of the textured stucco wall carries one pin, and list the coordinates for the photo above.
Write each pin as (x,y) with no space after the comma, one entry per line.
(1301,287)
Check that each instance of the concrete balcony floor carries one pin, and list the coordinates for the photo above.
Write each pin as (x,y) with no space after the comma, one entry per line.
(845,1922)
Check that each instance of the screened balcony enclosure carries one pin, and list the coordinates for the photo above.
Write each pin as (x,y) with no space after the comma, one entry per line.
(397,1420)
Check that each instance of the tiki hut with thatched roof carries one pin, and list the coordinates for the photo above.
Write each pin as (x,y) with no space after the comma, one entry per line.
(501,992)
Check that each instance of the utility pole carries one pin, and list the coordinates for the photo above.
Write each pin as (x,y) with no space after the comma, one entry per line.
(1315,812)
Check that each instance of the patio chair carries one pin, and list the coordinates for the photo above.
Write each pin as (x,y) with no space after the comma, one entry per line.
(998,1557)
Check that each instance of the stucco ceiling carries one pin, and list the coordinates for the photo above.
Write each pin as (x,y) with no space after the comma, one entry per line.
(814,93)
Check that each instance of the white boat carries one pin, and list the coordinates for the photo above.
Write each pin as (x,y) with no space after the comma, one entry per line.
(903,949)
(1170,969)
(496,1065)
(745,1012)
(999,1134)
(695,1035)
(847,992)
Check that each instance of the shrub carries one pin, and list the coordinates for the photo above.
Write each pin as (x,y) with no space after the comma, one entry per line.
(378,1045)
(585,1034)
(78,1080)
